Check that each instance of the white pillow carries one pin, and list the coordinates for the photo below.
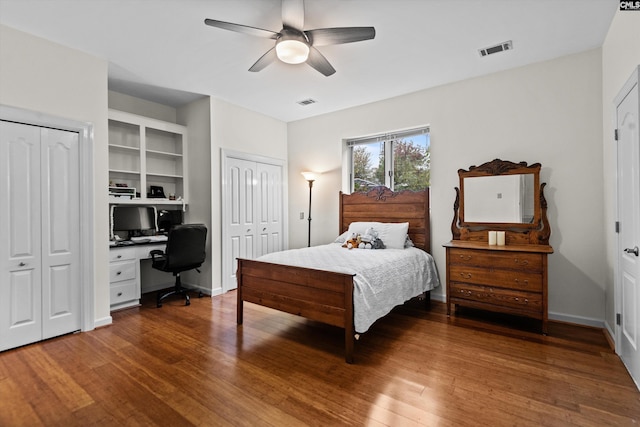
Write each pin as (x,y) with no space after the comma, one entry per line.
(343,237)
(392,234)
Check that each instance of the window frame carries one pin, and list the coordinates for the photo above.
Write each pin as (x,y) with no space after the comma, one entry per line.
(388,140)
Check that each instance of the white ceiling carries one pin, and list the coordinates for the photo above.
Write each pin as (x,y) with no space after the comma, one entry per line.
(162,51)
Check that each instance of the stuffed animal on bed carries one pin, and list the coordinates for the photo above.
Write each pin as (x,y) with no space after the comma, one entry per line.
(368,240)
(371,239)
(353,241)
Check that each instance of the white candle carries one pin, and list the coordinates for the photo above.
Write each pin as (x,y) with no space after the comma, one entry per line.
(492,237)
(501,238)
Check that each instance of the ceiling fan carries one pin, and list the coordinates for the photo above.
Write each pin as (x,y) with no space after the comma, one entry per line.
(293,44)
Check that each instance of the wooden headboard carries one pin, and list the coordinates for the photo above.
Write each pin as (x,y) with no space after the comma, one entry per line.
(383,205)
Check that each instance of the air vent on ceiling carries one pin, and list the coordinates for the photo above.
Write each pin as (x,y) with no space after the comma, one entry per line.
(305,102)
(495,49)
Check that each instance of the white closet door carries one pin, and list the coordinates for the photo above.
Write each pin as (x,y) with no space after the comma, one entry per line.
(39,234)
(20,255)
(60,232)
(241,217)
(269,203)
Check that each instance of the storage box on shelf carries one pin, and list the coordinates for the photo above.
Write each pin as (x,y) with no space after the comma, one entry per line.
(145,152)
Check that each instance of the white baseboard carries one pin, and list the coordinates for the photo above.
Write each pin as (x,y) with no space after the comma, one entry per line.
(438,297)
(102,322)
(561,317)
(612,333)
(578,320)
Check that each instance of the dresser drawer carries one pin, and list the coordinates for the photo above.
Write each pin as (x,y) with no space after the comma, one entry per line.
(123,292)
(510,279)
(122,254)
(119,271)
(498,296)
(511,260)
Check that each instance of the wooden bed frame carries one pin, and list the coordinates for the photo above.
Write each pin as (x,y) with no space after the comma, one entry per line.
(327,296)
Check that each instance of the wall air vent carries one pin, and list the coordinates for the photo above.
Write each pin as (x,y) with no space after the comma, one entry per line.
(495,49)
(305,102)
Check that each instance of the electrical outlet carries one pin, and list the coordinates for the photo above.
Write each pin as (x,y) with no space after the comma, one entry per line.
(499,195)
(301,215)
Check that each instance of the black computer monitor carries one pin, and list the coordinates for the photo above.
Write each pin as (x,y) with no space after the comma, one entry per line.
(134,220)
(168,218)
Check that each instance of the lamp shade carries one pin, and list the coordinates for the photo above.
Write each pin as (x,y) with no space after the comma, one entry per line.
(292,51)
(309,176)
(292,47)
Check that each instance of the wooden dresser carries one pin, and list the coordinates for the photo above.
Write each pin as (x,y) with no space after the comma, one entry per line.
(509,279)
(505,198)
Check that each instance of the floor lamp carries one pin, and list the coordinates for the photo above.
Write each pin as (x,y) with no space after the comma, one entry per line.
(310,177)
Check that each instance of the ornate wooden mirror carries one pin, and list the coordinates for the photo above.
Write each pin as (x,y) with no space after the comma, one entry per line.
(504,196)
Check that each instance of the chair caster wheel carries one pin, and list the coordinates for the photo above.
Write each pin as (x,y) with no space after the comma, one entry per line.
(200,294)
(159,305)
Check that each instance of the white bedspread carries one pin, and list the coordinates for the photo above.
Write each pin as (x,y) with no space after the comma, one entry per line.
(384,278)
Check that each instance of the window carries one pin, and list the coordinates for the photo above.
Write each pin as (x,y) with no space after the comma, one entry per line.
(400,161)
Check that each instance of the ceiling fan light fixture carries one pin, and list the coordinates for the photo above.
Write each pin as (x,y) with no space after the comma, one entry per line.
(292,48)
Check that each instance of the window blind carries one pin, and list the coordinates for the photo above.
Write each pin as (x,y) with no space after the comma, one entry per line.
(386,136)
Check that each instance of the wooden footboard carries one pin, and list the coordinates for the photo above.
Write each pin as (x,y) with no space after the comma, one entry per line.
(319,295)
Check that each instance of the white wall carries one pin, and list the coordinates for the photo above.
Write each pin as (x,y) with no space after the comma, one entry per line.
(196,116)
(131,104)
(41,76)
(549,112)
(238,129)
(620,56)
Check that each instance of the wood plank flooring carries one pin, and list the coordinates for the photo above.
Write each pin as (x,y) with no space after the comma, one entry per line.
(181,366)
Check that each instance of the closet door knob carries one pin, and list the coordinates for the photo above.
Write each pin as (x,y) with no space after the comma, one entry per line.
(634,251)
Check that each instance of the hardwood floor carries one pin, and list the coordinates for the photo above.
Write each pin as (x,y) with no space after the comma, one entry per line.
(192,365)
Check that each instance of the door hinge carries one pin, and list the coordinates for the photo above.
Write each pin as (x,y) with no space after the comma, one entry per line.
(615,134)
(618,319)
(617,226)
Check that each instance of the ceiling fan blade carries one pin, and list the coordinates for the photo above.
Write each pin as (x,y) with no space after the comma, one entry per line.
(293,14)
(327,36)
(264,60)
(319,62)
(244,29)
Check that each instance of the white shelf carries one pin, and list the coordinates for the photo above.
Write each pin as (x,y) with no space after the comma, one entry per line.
(123,148)
(145,152)
(164,154)
(124,171)
(145,201)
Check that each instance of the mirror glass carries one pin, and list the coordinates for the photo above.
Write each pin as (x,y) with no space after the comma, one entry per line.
(499,199)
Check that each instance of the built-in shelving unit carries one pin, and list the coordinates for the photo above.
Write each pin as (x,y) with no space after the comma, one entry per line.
(145,152)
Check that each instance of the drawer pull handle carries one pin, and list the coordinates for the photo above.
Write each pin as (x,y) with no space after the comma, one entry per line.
(526,301)
(118,273)
(465,276)
(119,256)
(517,299)
(119,294)
(22,264)
(465,257)
(525,282)
(524,261)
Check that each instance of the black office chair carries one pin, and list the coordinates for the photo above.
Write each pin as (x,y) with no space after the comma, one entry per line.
(185,251)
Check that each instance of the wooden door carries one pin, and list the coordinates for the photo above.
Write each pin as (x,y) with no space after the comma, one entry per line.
(39,234)
(628,283)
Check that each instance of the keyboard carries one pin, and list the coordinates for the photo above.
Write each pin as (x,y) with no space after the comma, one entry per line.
(155,239)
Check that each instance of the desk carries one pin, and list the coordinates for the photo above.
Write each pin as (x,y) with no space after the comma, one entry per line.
(124,272)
